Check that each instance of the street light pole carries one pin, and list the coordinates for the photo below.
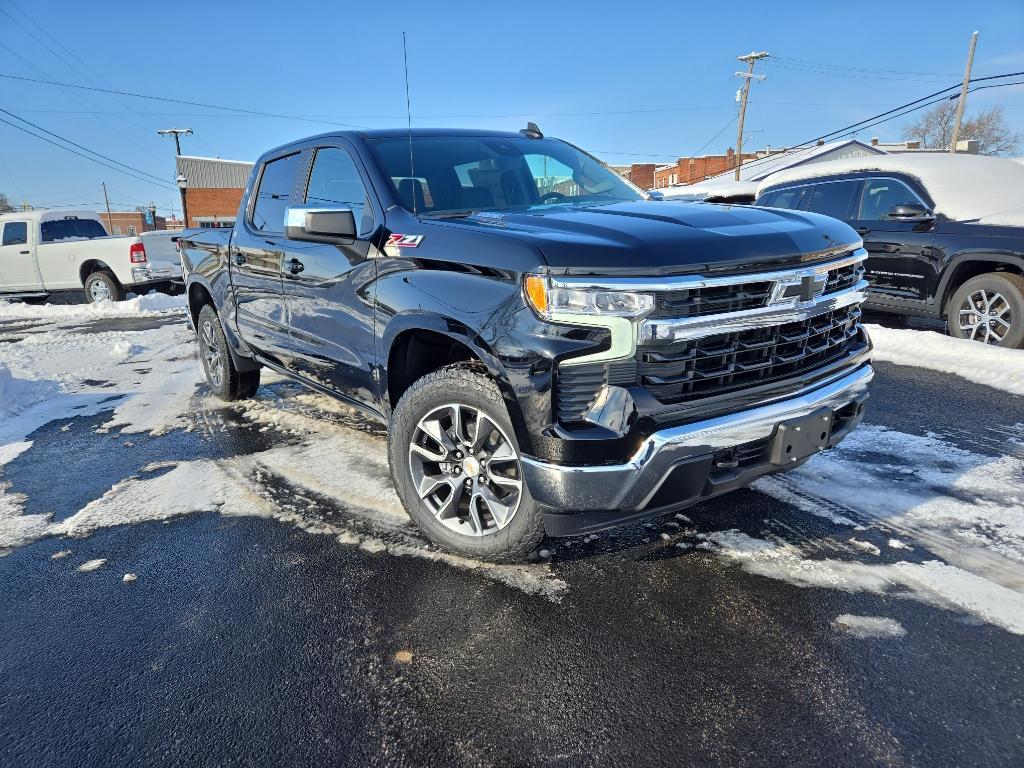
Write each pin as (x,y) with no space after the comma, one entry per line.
(750,59)
(182,182)
(962,103)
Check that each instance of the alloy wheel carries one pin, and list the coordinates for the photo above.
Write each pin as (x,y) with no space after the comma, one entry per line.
(99,291)
(466,470)
(212,355)
(985,316)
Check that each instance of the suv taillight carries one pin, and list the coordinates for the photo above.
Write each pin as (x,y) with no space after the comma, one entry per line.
(137,253)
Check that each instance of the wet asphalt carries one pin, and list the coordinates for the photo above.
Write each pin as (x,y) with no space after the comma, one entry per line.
(247,641)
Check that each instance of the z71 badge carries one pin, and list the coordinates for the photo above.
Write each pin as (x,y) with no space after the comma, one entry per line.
(405,241)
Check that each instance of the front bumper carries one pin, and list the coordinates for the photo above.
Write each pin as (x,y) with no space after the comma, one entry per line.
(682,465)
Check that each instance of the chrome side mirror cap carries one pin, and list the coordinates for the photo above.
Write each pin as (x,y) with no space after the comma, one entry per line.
(317,224)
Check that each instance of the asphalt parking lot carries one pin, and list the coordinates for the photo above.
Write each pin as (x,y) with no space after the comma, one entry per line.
(866,610)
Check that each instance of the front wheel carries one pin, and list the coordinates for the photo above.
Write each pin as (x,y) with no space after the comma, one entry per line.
(989,308)
(457,469)
(224,379)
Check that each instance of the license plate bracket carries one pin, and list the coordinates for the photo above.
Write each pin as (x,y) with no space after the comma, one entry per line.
(796,439)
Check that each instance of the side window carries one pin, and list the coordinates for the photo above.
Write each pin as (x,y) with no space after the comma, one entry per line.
(880,195)
(834,198)
(272,196)
(782,198)
(15,233)
(334,181)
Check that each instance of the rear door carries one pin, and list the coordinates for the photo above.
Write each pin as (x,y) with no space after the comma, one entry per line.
(17,267)
(832,198)
(257,253)
(901,264)
(329,287)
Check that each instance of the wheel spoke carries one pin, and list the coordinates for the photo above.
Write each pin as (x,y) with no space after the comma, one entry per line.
(505,481)
(503,453)
(482,432)
(450,507)
(436,432)
(499,510)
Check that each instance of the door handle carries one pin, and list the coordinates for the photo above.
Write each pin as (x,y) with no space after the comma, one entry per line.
(239,259)
(863,230)
(295,266)
(24,253)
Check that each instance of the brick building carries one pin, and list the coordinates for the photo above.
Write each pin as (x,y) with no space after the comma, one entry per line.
(130,222)
(690,170)
(213,189)
(641,174)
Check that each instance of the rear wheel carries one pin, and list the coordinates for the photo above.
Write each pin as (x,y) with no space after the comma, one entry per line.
(989,308)
(224,379)
(456,465)
(103,286)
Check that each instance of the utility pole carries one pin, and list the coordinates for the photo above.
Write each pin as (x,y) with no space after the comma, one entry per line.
(181,181)
(751,58)
(110,219)
(962,103)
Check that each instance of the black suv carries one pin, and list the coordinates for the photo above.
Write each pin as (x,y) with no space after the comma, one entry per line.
(551,351)
(926,256)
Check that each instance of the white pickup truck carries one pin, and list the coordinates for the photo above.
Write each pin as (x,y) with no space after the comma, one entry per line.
(48,251)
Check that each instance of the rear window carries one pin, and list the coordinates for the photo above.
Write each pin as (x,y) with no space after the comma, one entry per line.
(782,198)
(72,228)
(834,198)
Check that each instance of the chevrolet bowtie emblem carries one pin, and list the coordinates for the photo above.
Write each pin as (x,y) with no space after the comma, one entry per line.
(798,289)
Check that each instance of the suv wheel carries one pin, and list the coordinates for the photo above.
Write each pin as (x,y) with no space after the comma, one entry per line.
(103,286)
(457,468)
(989,308)
(224,379)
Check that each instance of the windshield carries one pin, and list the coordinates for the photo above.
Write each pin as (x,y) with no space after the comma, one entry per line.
(461,174)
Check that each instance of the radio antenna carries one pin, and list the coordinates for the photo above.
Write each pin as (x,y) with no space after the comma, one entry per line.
(408,114)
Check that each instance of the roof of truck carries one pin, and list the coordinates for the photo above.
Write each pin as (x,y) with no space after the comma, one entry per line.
(48,214)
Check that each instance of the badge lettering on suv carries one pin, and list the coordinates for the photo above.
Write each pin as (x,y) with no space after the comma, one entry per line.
(405,241)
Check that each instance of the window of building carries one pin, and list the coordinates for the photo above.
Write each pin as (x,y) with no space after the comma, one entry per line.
(334,181)
(117,229)
(15,233)
(833,199)
(274,193)
(131,230)
(880,195)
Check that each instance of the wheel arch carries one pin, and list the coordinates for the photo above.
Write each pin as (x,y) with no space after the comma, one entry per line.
(94,265)
(967,266)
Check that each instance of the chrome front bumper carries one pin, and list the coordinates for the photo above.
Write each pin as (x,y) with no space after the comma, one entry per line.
(630,487)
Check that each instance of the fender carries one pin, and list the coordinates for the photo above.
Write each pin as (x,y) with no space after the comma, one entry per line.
(985,257)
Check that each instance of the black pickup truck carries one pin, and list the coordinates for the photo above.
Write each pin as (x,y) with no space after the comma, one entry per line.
(552,351)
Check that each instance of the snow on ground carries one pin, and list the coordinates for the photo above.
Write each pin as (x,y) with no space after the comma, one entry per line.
(867,627)
(932,582)
(965,508)
(983,364)
(150,305)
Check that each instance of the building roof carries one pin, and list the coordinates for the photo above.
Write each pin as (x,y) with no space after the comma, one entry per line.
(213,172)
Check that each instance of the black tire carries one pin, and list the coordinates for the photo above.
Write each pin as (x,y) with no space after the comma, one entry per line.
(223,378)
(1009,306)
(468,386)
(100,286)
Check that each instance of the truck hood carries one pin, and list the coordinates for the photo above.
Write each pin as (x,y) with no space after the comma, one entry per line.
(665,237)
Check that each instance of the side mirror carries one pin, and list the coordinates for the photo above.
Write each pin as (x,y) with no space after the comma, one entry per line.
(317,224)
(653,195)
(909,212)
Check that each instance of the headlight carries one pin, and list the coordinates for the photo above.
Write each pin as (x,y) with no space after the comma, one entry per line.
(551,301)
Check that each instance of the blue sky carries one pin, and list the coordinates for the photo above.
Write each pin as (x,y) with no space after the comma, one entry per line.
(665,68)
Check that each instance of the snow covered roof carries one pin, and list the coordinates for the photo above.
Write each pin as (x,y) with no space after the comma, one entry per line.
(710,188)
(963,187)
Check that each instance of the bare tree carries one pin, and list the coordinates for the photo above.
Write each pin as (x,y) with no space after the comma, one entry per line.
(934,129)
(5,204)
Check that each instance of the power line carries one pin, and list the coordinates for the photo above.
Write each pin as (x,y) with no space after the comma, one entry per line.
(87,157)
(849,68)
(179,101)
(86,149)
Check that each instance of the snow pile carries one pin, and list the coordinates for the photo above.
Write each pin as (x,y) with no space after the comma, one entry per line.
(981,363)
(966,508)
(963,187)
(18,394)
(150,305)
(932,582)
(867,627)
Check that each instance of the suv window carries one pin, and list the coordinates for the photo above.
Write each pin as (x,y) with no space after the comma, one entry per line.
(70,229)
(15,233)
(274,193)
(782,198)
(334,180)
(880,195)
(834,198)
